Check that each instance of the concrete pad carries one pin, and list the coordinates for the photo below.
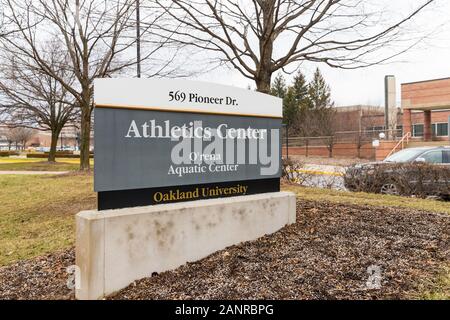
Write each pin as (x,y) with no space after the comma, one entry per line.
(116,247)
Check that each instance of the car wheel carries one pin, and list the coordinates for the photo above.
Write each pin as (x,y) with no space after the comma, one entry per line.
(389,188)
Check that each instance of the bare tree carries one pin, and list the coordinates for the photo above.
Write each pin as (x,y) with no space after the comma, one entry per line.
(95,34)
(25,135)
(19,136)
(9,137)
(33,98)
(260,37)
(366,122)
(325,120)
(3,24)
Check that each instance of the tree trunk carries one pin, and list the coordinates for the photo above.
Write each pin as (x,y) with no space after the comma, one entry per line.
(263,82)
(307,148)
(264,69)
(263,77)
(53,145)
(359,144)
(85,138)
(330,147)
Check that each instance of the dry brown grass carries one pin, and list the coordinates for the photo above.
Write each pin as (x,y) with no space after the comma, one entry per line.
(37,213)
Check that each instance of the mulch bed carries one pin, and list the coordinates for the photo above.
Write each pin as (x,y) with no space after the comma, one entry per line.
(325,255)
(39,278)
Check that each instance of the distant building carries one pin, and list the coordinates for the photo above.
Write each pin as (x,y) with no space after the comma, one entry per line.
(359,118)
(372,118)
(426,108)
(424,112)
(67,138)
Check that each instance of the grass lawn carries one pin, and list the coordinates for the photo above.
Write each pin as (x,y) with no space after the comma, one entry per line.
(34,164)
(37,213)
(368,199)
(440,287)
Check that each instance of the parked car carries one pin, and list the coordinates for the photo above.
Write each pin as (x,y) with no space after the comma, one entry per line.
(65,148)
(421,171)
(42,149)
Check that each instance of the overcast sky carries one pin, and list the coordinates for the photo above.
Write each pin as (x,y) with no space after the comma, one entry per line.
(430,60)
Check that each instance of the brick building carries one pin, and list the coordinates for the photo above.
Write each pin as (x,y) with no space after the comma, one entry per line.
(422,117)
(371,118)
(426,107)
(42,139)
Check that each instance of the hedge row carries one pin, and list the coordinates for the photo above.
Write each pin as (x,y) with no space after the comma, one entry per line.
(408,179)
(60,152)
(8,153)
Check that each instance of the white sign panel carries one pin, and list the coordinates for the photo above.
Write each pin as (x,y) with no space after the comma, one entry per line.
(184,96)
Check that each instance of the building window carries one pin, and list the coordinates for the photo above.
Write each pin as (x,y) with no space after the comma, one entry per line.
(440,129)
(376,128)
(417,130)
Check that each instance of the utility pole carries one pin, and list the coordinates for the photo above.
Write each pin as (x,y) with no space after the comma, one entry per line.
(138,39)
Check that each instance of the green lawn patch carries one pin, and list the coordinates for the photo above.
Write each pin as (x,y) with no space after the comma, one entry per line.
(371,199)
(37,213)
(438,289)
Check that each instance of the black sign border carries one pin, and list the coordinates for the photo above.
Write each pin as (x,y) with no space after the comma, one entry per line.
(119,199)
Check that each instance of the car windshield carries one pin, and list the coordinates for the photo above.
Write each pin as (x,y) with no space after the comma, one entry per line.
(404,155)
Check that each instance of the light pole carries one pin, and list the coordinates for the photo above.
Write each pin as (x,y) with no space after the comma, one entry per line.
(78,140)
(138,39)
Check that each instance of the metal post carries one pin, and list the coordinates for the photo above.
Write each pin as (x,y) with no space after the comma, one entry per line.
(138,39)
(78,141)
(287,143)
(307,148)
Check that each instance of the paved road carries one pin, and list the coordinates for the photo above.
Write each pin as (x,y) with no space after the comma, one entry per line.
(33,172)
(323,176)
(325,169)
(326,182)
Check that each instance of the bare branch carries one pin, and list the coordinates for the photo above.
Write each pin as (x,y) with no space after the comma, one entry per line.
(259,37)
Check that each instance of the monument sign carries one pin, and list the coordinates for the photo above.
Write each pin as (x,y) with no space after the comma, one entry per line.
(159,145)
(161,141)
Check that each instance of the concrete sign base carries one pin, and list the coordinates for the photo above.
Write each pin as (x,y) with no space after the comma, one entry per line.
(116,247)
